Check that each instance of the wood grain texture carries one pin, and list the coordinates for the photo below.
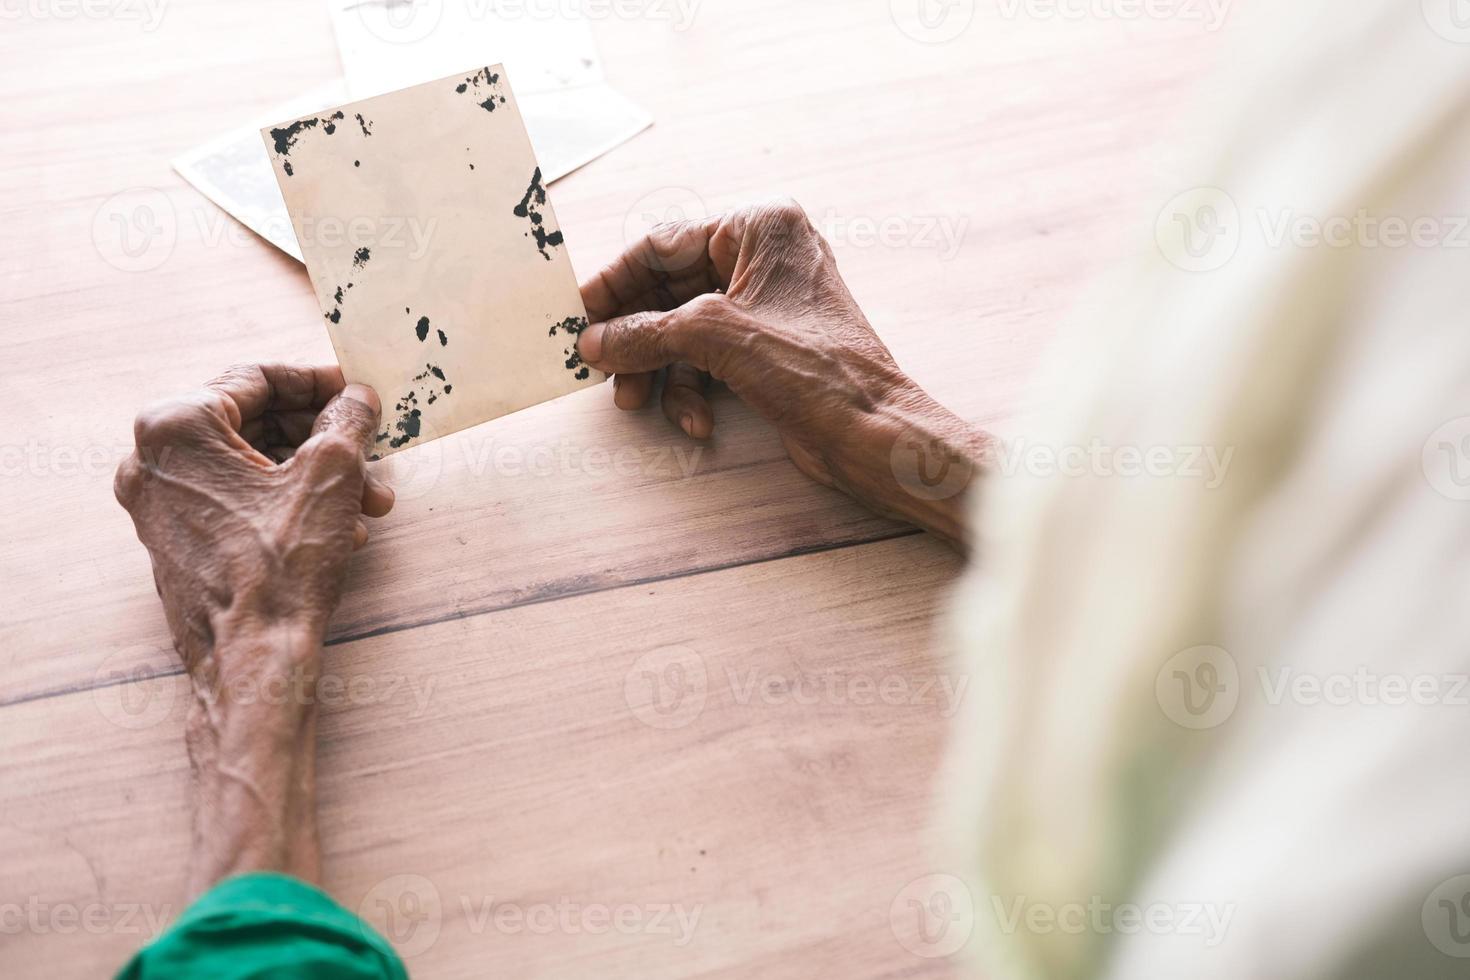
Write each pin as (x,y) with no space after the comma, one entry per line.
(547,756)
(530,562)
(1029,144)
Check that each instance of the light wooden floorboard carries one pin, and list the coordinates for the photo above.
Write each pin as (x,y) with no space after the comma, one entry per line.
(1030,148)
(550,755)
(1043,150)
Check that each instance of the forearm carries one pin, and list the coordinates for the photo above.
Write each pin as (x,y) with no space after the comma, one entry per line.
(251,737)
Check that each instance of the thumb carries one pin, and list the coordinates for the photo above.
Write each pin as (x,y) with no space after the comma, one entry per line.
(648,341)
(353,413)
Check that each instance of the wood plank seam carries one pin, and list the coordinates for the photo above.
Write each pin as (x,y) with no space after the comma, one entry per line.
(474,613)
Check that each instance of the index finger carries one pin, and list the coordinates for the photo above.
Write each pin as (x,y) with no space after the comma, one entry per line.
(663,270)
(255,389)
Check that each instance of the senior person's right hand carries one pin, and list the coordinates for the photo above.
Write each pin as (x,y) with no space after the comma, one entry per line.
(753,298)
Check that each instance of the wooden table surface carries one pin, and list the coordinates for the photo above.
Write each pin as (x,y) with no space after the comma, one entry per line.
(587,665)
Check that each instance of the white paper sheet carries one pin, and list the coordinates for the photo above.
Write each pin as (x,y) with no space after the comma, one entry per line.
(573,117)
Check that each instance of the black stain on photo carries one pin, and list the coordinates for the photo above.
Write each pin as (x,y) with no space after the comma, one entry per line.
(365,124)
(530,208)
(284,137)
(336,315)
(483,82)
(573,327)
(422,329)
(408,423)
(360,258)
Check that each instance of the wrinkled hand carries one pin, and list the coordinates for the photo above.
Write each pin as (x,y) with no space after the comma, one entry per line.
(250,496)
(753,298)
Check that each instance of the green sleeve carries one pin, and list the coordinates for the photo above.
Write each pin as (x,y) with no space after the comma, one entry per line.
(266,925)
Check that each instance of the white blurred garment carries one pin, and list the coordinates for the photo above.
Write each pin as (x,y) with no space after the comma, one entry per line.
(1294,800)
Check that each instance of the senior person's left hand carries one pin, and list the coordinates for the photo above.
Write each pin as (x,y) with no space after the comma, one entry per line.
(250,495)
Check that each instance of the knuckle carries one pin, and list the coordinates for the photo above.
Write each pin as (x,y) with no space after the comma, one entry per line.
(785,214)
(671,245)
(696,322)
(707,306)
(243,371)
(336,449)
(667,232)
(666,334)
(692,331)
(127,483)
(236,378)
(164,421)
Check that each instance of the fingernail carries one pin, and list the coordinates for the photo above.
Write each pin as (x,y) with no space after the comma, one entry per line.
(589,344)
(686,422)
(364,394)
